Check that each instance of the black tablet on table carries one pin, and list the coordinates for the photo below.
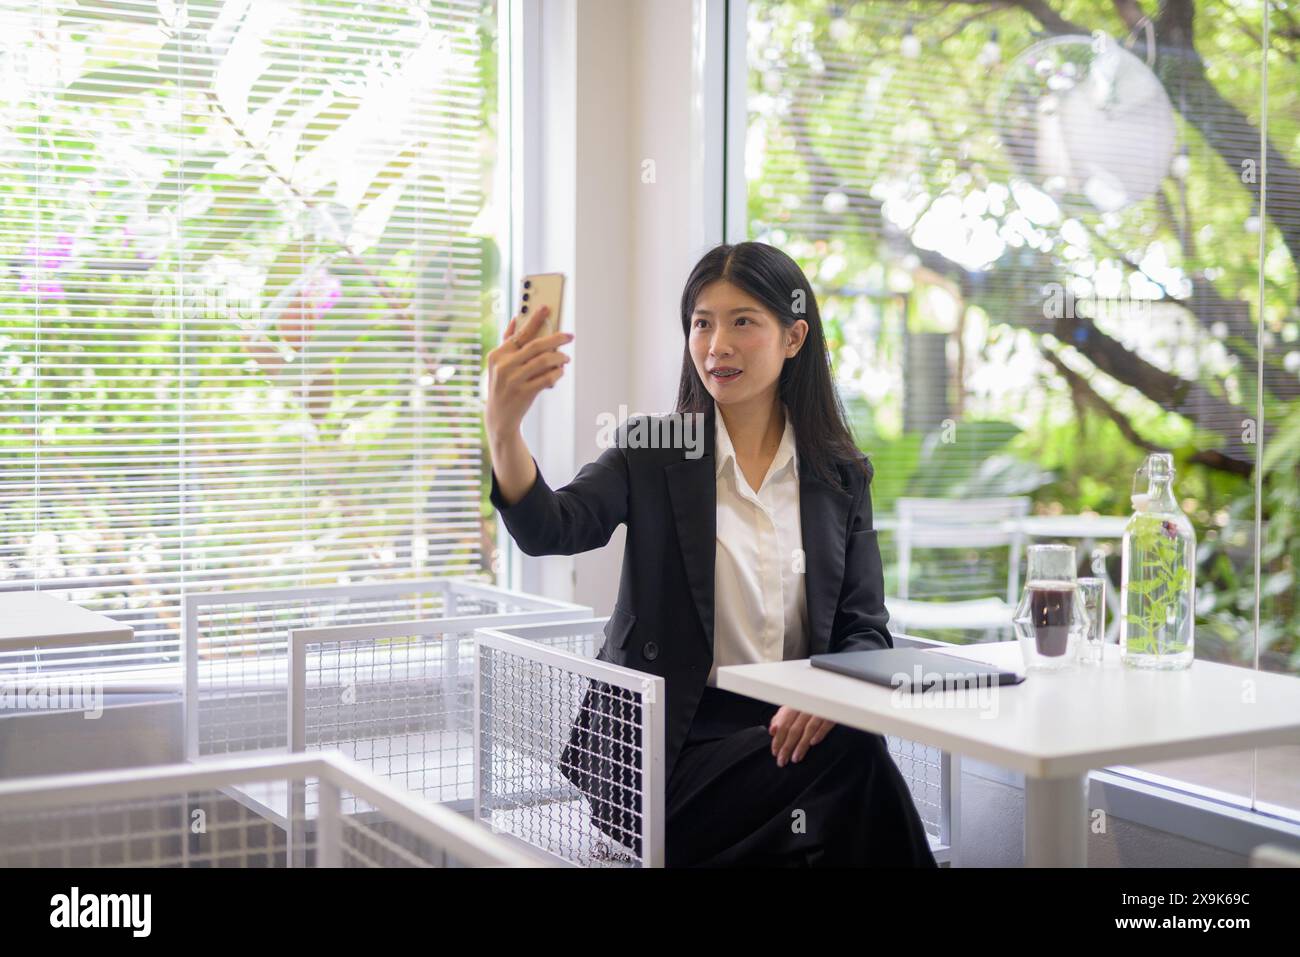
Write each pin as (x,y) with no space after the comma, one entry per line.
(915,669)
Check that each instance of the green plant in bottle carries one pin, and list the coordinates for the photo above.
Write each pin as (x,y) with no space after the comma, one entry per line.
(1158,574)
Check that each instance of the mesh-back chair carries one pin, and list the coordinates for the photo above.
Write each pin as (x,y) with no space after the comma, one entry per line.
(397,697)
(533,679)
(236,646)
(594,796)
(198,815)
(932,775)
(956,593)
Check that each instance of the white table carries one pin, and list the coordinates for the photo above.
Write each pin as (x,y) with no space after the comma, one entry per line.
(33,619)
(1053,728)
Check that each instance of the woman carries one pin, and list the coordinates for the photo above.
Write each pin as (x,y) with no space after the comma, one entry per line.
(754,544)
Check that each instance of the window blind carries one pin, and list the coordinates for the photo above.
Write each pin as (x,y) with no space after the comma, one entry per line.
(247,251)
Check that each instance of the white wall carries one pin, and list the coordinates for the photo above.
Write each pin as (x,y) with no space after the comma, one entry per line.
(618,79)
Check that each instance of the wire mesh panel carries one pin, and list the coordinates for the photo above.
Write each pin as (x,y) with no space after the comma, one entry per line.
(927,771)
(396,704)
(568,750)
(202,816)
(148,832)
(582,637)
(396,697)
(933,776)
(236,647)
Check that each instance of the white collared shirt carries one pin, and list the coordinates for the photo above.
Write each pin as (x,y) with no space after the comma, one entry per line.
(759,605)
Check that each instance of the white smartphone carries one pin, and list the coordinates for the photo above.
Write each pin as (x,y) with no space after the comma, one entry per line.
(537,290)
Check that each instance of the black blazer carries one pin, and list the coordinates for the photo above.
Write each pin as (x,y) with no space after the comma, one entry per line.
(662,623)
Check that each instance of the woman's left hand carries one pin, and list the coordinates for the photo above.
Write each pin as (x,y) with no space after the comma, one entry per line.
(794,732)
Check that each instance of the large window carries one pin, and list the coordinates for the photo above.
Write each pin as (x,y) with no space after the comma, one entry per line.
(1043,247)
(247,261)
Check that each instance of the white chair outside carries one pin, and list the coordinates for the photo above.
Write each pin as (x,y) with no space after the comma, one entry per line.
(196,815)
(236,646)
(980,523)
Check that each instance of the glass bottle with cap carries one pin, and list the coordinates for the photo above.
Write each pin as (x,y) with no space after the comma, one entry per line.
(1157,573)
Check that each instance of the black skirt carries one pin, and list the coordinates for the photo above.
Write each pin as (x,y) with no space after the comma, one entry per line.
(727,803)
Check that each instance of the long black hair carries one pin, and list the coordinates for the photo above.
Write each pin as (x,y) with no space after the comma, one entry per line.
(822,436)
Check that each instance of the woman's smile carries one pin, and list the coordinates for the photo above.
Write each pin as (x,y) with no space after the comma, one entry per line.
(733,336)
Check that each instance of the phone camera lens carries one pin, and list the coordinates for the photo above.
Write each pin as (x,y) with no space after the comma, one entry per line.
(525,297)
(528,283)
(524,310)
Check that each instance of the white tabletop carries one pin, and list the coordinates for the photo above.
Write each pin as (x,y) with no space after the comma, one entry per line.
(1073,526)
(1046,526)
(32,619)
(1051,725)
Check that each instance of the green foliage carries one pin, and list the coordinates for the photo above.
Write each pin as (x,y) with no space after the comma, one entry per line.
(1155,586)
(836,104)
(967,461)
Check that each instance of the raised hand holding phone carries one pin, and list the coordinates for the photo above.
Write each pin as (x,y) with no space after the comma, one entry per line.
(518,369)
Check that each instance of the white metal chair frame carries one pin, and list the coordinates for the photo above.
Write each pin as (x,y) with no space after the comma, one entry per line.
(307,643)
(529,643)
(947,817)
(468,842)
(952,524)
(258,662)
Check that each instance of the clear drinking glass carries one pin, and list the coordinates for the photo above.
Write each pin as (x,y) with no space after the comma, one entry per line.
(1093,593)
(1050,620)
